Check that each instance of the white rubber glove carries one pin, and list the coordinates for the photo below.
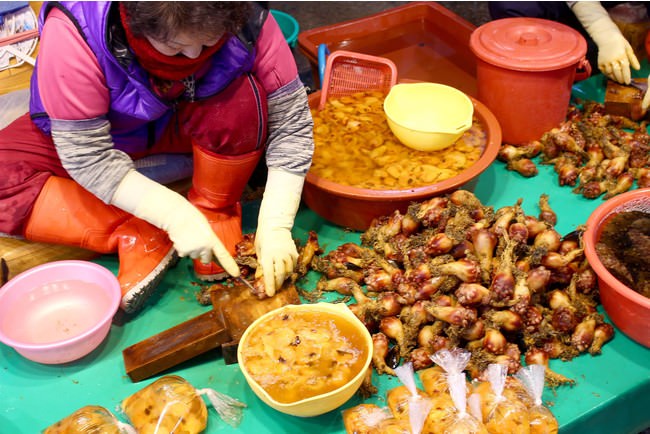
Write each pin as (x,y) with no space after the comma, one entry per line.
(615,54)
(275,248)
(188,229)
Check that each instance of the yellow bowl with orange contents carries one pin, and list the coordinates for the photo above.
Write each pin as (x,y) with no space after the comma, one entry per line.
(305,360)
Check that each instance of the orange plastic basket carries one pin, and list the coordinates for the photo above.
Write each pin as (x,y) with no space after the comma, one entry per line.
(347,72)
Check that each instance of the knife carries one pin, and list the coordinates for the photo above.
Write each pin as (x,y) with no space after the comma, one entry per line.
(246,282)
(641,85)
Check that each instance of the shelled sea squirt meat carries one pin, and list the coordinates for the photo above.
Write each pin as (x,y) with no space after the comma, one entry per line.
(355,146)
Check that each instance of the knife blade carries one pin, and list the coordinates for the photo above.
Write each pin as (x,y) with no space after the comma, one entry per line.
(246,282)
(641,85)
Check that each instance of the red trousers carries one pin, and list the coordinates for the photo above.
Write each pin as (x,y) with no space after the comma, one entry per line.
(232,122)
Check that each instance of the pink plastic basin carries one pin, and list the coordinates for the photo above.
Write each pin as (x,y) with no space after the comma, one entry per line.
(58,312)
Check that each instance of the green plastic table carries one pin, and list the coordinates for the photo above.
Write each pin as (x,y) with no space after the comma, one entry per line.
(611,395)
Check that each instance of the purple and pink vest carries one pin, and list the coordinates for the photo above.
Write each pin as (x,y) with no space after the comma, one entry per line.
(136,114)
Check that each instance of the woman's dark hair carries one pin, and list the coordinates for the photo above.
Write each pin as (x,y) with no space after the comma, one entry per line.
(163,20)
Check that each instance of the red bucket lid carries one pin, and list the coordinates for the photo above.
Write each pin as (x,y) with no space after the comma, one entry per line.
(528,44)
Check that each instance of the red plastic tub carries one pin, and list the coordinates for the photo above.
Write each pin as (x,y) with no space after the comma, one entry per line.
(356,208)
(628,309)
(525,70)
(426,41)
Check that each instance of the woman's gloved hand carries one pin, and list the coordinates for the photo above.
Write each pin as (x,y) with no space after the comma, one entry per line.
(275,248)
(188,229)
(615,54)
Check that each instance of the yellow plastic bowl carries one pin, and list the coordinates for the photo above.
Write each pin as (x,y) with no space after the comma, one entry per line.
(319,404)
(428,116)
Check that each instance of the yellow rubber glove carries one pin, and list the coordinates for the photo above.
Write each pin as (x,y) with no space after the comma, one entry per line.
(275,248)
(188,229)
(615,54)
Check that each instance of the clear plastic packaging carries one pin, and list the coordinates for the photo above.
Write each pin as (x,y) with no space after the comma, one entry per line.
(370,419)
(474,406)
(419,405)
(170,403)
(459,420)
(90,419)
(434,383)
(399,401)
(434,380)
(501,413)
(515,389)
(394,426)
(632,20)
(542,421)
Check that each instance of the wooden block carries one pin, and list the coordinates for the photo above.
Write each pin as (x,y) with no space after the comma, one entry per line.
(175,345)
(239,308)
(624,100)
(21,255)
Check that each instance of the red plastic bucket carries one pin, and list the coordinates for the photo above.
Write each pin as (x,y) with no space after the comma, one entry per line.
(525,69)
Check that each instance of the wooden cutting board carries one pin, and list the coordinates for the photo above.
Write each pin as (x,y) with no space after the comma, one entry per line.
(239,308)
(625,100)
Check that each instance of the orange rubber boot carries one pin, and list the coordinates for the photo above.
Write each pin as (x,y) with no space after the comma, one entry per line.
(65,213)
(217,185)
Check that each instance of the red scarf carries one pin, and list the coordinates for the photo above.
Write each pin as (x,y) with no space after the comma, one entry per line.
(165,67)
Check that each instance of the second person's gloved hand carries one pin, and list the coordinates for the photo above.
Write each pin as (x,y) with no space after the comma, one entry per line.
(275,248)
(615,54)
(187,228)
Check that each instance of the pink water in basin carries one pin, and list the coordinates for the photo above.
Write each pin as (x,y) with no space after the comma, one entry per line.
(56,311)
